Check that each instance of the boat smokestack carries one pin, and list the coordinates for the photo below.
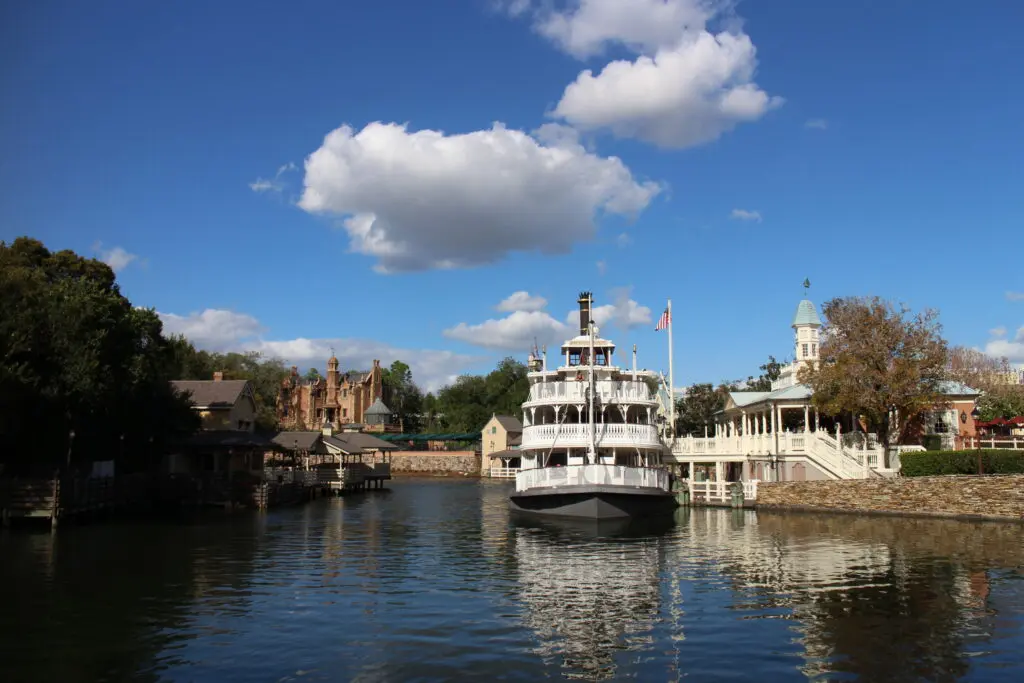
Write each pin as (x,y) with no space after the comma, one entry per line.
(586,302)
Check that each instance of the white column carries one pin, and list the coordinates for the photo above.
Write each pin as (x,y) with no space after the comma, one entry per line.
(817,423)
(719,471)
(807,419)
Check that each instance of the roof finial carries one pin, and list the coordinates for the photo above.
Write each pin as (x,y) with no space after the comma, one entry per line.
(807,285)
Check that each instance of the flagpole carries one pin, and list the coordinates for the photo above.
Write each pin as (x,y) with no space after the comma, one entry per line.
(671,377)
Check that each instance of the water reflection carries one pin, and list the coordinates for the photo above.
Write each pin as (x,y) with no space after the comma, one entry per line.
(589,589)
(435,582)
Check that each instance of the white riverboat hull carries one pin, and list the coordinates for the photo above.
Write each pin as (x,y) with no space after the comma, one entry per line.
(593,492)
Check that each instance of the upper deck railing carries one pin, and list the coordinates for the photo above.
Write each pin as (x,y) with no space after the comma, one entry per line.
(607,390)
(592,475)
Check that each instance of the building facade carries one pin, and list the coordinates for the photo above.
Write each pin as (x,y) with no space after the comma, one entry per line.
(338,398)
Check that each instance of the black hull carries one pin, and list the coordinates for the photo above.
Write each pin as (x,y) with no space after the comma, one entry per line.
(594,502)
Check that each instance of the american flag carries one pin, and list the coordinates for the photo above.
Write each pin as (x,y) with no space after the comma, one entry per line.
(663,321)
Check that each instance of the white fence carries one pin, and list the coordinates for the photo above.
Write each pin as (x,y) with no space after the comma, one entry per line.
(576,392)
(720,491)
(504,472)
(579,435)
(592,475)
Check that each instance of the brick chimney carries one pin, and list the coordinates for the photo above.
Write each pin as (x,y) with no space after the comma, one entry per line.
(218,376)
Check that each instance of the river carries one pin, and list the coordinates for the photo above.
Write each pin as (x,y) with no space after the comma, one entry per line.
(432,581)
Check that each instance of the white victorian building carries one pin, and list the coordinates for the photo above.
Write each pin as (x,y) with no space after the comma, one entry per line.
(778,435)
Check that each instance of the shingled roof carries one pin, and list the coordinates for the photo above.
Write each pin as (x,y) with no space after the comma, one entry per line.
(356,442)
(510,423)
(212,393)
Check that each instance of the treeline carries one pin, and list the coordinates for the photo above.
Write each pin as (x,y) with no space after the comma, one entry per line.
(83,374)
(696,410)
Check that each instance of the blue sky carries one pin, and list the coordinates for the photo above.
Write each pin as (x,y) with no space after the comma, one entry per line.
(715,153)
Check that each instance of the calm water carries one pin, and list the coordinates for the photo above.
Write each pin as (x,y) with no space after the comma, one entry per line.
(432,581)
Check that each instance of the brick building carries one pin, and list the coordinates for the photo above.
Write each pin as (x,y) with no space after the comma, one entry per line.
(338,398)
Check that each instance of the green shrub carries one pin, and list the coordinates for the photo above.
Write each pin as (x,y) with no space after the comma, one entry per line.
(932,442)
(994,461)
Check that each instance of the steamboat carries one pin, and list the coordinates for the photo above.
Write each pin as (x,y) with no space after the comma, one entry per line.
(591,444)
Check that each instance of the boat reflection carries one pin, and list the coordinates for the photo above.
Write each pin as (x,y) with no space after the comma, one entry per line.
(589,589)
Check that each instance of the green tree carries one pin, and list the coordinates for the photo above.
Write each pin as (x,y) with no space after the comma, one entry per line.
(83,374)
(404,397)
(878,362)
(770,372)
(312,375)
(697,409)
(469,402)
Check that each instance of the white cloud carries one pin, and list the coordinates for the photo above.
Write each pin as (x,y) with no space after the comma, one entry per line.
(1010,349)
(819,124)
(522,301)
(602,267)
(424,199)
(221,330)
(213,329)
(274,184)
(116,257)
(624,240)
(1015,296)
(998,331)
(745,215)
(517,331)
(687,85)
(589,26)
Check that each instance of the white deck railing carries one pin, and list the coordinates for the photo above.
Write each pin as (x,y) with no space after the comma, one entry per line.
(504,472)
(579,435)
(575,392)
(592,475)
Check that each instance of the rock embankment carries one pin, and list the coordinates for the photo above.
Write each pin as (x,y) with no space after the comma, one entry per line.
(989,497)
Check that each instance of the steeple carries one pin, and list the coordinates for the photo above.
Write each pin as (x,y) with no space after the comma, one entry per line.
(806,329)
(333,378)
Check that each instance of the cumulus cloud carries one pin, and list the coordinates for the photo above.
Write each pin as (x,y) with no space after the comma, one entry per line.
(1015,296)
(222,330)
(522,301)
(1012,349)
(687,85)
(116,257)
(423,199)
(745,215)
(624,240)
(998,331)
(519,330)
(515,332)
(819,124)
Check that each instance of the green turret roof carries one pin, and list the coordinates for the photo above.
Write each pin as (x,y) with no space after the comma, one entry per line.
(806,314)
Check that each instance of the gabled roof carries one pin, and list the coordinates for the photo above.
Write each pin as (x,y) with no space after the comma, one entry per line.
(227,438)
(745,398)
(806,314)
(304,441)
(510,423)
(210,393)
(357,442)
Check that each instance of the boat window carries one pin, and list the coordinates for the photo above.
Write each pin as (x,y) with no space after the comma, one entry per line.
(574,357)
(600,358)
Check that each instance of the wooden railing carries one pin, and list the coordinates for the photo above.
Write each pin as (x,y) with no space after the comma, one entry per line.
(720,491)
(1004,442)
(504,472)
(592,475)
(606,434)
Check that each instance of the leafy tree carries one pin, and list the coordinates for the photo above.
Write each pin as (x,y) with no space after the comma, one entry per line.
(468,403)
(770,372)
(880,363)
(992,376)
(697,409)
(83,373)
(312,375)
(405,398)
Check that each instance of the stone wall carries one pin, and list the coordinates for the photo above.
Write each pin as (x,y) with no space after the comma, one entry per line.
(993,496)
(435,461)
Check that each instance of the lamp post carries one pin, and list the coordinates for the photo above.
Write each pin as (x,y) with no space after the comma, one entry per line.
(975,414)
